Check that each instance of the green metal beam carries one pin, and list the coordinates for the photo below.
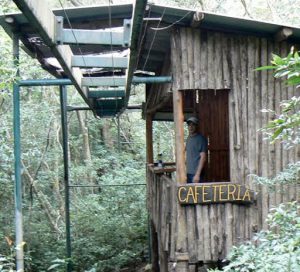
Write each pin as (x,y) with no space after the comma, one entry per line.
(106,93)
(45,82)
(151,80)
(99,61)
(120,81)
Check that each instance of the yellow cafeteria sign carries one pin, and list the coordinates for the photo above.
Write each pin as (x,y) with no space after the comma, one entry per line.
(206,193)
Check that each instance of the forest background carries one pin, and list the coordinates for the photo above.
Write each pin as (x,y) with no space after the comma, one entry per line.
(109,223)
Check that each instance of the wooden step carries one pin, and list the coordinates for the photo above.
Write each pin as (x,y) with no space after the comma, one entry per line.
(103,81)
(99,61)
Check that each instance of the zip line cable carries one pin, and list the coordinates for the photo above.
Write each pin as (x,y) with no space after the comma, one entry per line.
(143,37)
(152,42)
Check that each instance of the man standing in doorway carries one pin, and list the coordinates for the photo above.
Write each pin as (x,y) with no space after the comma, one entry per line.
(196,148)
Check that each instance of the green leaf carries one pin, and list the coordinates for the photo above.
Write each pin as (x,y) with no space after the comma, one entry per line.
(265,68)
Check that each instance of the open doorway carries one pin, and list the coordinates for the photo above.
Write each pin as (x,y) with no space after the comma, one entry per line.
(211,108)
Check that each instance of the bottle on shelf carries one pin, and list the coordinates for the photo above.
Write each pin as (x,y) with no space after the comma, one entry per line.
(160,161)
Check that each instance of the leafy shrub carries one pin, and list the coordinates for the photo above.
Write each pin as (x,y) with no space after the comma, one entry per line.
(276,249)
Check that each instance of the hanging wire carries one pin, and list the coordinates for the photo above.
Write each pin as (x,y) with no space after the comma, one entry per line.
(111,52)
(176,22)
(143,37)
(152,42)
(77,44)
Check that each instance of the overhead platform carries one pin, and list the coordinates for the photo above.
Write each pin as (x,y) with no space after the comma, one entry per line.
(105,47)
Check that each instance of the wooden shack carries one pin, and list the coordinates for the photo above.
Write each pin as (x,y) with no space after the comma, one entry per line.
(212,60)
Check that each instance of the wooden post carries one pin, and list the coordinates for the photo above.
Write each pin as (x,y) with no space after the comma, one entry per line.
(179,137)
(181,243)
(149,138)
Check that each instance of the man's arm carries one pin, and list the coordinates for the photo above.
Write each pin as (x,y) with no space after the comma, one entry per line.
(202,161)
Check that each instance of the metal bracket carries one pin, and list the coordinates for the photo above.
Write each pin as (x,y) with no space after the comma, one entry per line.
(127,32)
(84,36)
(59,30)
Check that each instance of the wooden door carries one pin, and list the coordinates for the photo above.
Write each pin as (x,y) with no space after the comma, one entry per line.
(211,107)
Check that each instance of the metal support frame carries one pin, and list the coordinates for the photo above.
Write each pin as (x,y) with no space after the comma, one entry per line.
(64,122)
(17,154)
(17,149)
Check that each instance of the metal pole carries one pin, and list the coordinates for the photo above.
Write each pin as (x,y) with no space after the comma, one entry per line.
(119,137)
(17,154)
(66,81)
(151,79)
(45,82)
(64,123)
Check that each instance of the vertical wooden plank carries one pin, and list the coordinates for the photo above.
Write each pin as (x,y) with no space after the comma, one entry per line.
(271,105)
(191,233)
(278,150)
(284,96)
(218,61)
(243,97)
(258,146)
(291,151)
(228,227)
(225,65)
(203,61)
(243,47)
(233,130)
(214,239)
(206,240)
(222,231)
(190,57)
(200,230)
(162,215)
(149,138)
(173,221)
(197,58)
(176,56)
(265,144)
(236,228)
(184,59)
(252,64)
(210,58)
(237,164)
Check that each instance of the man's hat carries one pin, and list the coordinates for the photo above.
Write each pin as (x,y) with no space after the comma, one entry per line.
(193,120)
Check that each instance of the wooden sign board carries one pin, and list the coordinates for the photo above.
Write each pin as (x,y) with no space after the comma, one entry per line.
(209,193)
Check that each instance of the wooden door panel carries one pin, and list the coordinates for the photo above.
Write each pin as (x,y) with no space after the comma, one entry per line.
(211,107)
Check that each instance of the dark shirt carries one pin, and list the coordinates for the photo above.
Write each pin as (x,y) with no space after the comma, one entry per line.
(194,146)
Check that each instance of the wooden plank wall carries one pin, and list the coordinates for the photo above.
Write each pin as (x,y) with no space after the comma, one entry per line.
(211,229)
(211,60)
(215,60)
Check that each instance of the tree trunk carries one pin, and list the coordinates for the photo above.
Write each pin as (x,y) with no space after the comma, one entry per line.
(85,134)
